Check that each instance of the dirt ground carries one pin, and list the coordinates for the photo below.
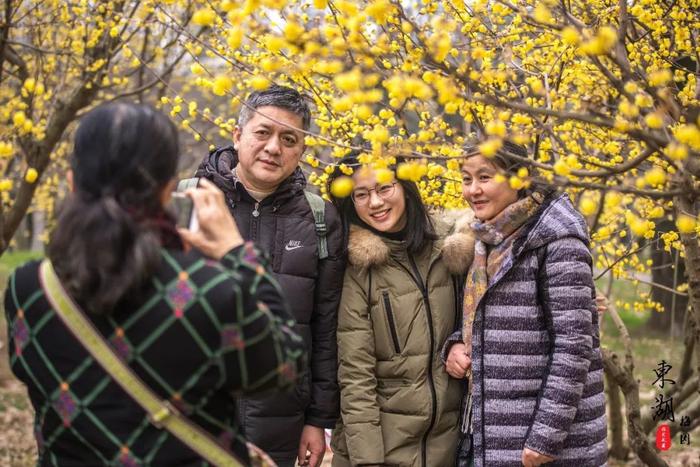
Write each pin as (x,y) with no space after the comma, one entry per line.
(17,448)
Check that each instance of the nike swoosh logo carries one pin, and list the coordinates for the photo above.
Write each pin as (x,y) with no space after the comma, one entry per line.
(290,248)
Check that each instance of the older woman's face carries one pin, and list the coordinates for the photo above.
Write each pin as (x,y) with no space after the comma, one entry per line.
(486,196)
(382,206)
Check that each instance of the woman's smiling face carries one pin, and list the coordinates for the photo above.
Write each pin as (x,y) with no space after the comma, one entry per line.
(485,194)
(382,206)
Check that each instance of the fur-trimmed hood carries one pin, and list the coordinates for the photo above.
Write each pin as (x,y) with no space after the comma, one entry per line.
(458,246)
(367,249)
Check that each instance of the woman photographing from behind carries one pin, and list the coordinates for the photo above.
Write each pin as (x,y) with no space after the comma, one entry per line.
(195,325)
(530,339)
(398,405)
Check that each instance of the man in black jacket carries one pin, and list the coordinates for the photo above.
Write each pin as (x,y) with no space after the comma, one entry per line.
(264,188)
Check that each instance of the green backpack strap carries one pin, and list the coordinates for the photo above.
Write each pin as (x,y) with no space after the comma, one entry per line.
(318,208)
(187,183)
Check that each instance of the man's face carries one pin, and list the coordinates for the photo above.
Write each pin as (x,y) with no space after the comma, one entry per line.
(268,151)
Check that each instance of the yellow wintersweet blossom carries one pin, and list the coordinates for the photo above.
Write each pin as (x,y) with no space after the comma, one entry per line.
(222,85)
(259,83)
(638,226)
(496,128)
(197,69)
(204,17)
(654,120)
(516,183)
(660,77)
(686,224)
(655,176)
(588,206)
(412,171)
(34,86)
(349,81)
(293,31)
(688,135)
(234,37)
(601,43)
(6,149)
(313,162)
(542,14)
(380,10)
(677,152)
(570,36)
(19,119)
(31,175)
(342,187)
(489,147)
(562,168)
(384,175)
(378,135)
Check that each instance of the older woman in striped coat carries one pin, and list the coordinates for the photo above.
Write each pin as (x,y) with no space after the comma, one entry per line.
(529,344)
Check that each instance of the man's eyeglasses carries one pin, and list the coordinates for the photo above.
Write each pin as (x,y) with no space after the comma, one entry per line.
(361,196)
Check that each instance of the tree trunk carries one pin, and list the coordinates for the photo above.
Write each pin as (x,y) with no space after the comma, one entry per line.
(630,388)
(618,450)
(667,270)
(689,330)
(691,249)
(38,227)
(623,375)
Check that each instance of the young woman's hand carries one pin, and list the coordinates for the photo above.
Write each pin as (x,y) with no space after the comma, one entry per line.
(458,362)
(601,303)
(217,233)
(533,458)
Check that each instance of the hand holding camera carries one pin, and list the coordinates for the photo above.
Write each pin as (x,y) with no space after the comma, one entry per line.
(212,229)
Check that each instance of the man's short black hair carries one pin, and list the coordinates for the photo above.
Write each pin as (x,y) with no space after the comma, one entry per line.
(276,96)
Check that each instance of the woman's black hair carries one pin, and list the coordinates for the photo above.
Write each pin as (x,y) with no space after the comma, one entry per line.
(419,228)
(106,245)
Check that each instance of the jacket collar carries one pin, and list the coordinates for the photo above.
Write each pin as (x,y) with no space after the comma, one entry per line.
(367,249)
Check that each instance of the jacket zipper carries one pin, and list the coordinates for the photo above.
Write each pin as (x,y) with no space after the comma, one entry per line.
(459,304)
(483,385)
(429,314)
(392,323)
(255,221)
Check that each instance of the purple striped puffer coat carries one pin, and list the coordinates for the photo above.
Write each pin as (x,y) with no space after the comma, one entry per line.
(537,367)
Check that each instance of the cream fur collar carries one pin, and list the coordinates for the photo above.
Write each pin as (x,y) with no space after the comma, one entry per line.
(366,249)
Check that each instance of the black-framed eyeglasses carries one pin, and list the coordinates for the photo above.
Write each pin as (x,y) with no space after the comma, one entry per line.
(361,196)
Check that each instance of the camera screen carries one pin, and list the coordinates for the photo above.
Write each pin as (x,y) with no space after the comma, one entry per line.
(181,206)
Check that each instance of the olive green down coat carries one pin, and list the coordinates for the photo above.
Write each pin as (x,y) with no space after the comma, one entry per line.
(398,405)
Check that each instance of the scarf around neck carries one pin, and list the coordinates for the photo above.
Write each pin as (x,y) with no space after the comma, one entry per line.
(494,244)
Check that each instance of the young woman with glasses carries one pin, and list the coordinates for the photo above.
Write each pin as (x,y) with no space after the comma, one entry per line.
(399,304)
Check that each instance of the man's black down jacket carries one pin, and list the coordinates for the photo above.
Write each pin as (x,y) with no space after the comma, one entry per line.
(283,225)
